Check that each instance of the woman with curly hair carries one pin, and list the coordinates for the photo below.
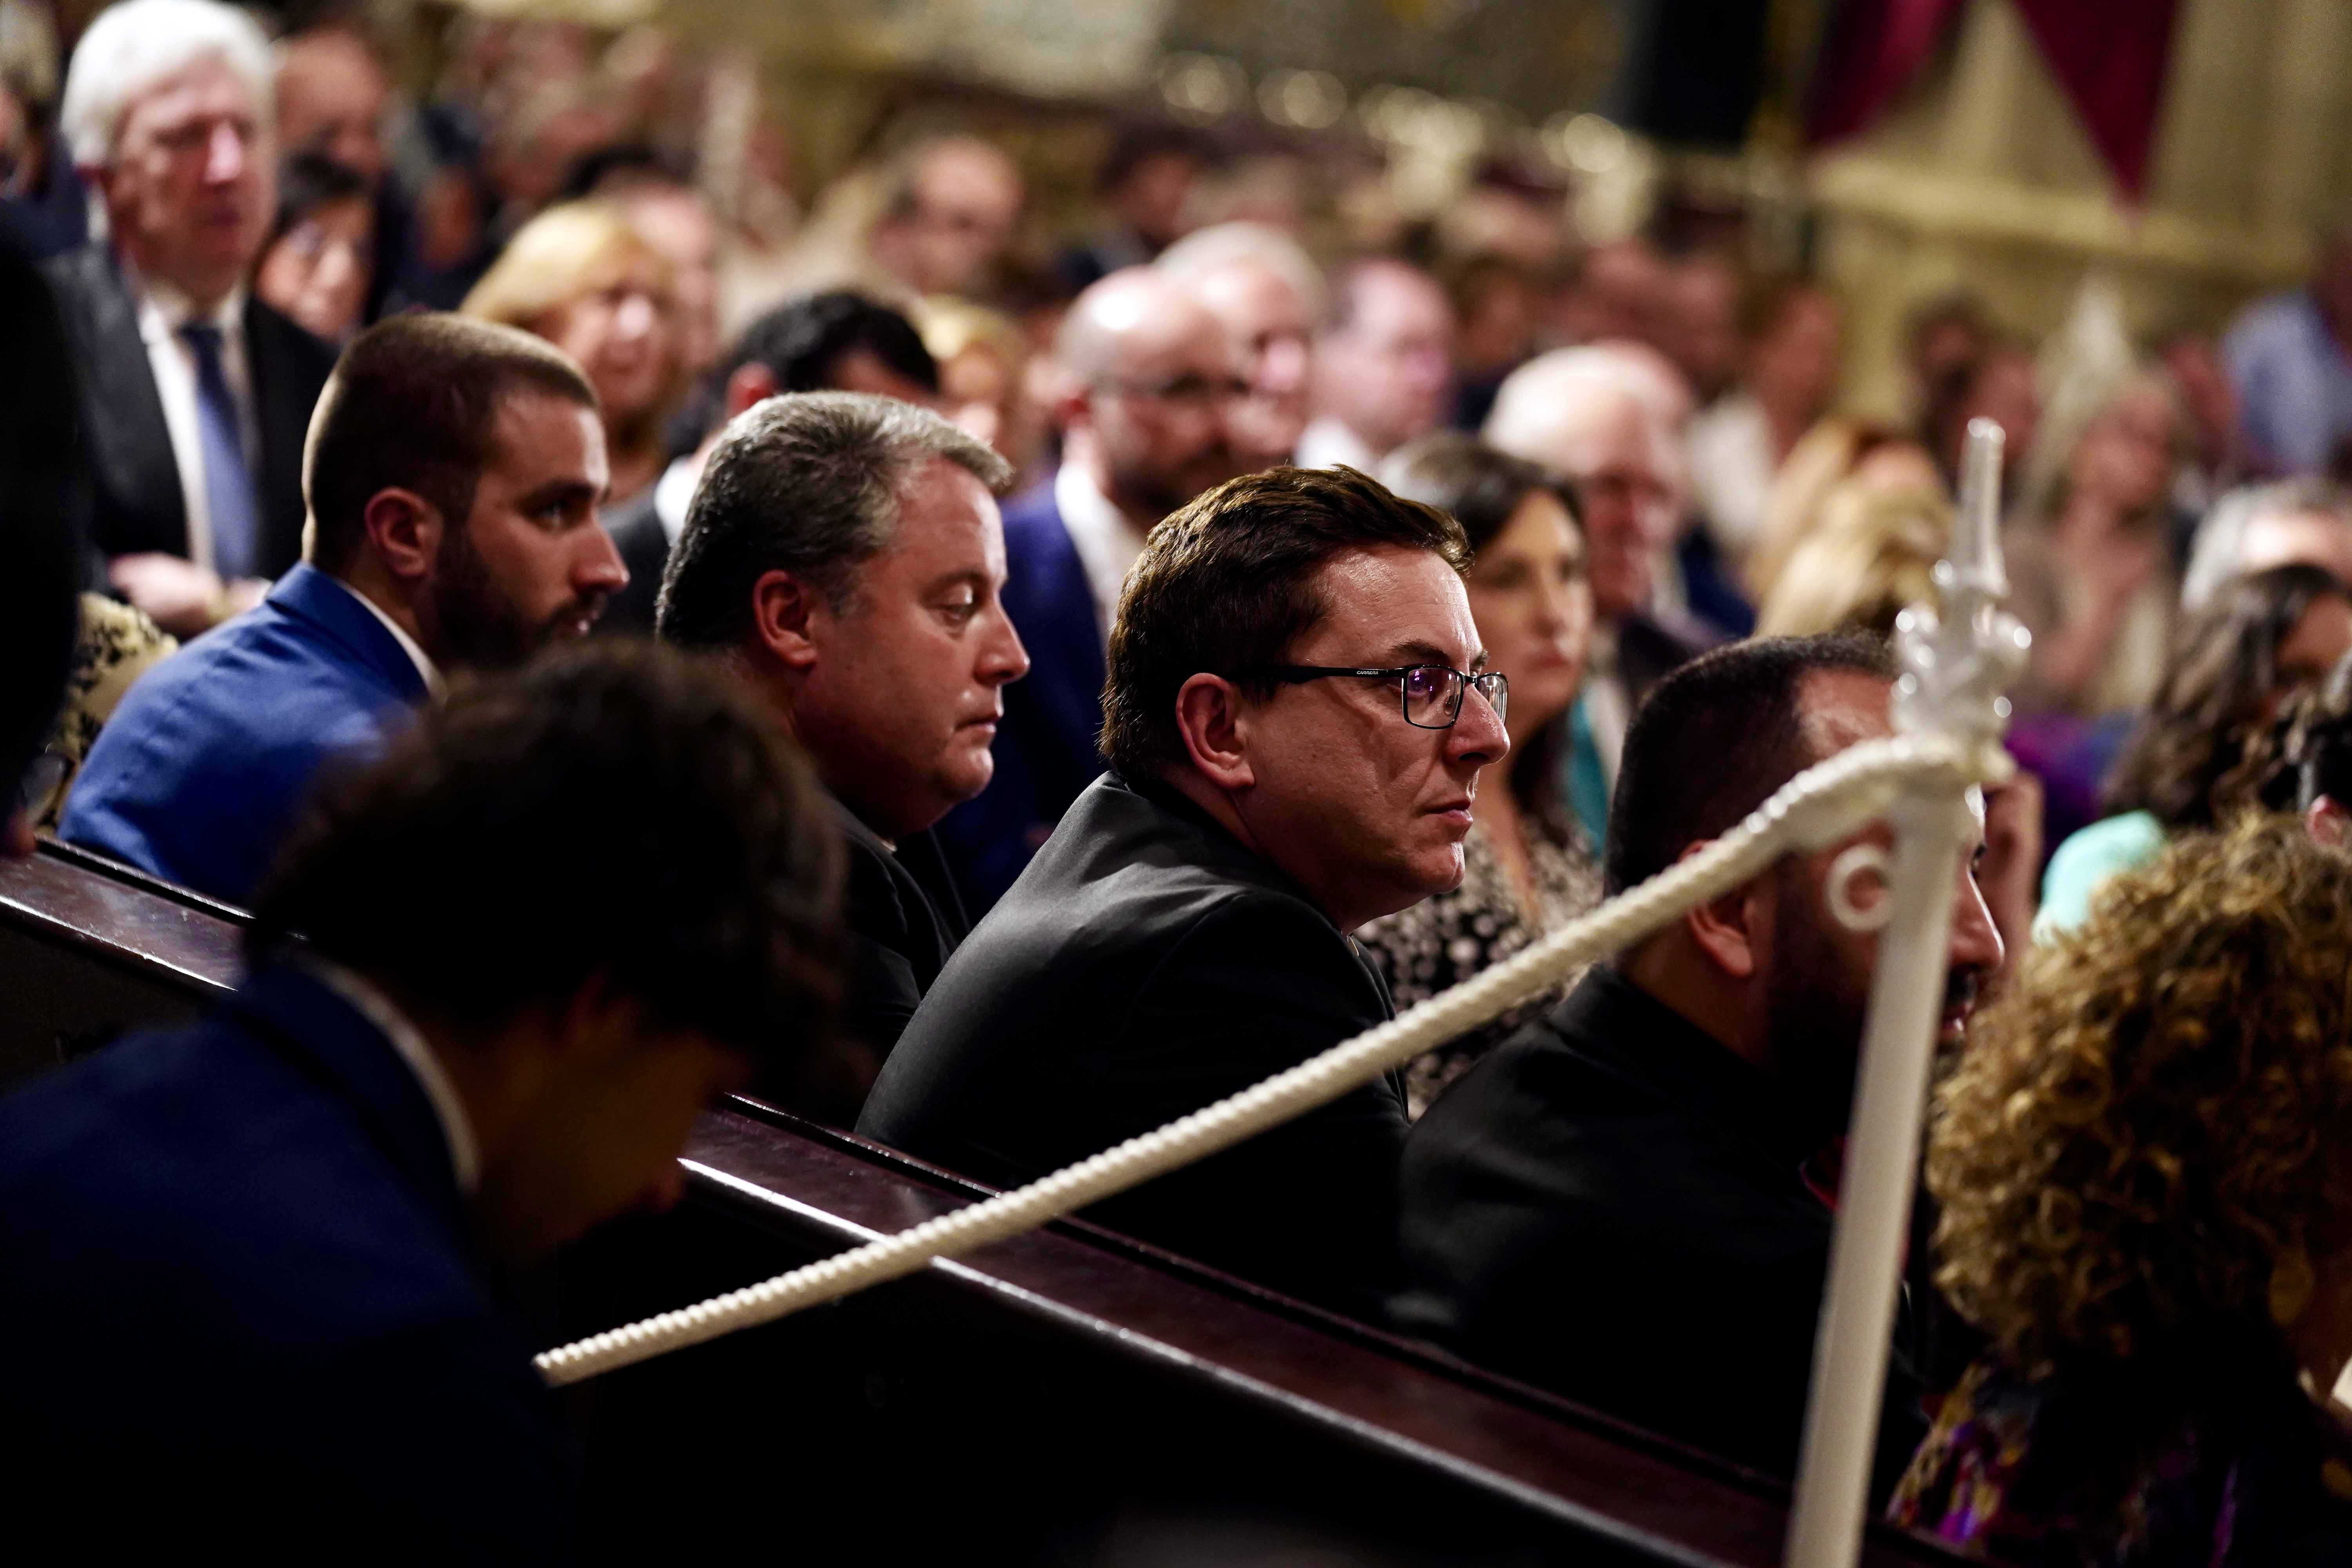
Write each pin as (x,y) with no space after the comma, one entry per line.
(2146,1194)
(2207,742)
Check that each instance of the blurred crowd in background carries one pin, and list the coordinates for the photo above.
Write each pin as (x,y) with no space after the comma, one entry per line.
(634,200)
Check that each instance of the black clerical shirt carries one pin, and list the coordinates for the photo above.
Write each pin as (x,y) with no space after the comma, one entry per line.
(905,921)
(1612,1206)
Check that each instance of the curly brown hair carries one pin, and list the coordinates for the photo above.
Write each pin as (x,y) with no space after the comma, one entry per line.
(2146,1133)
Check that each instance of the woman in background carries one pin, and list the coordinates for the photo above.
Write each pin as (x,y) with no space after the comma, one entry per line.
(321,260)
(579,276)
(2146,1201)
(2207,739)
(1527,870)
(2097,580)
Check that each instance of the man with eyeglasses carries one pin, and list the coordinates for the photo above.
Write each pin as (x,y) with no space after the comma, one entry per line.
(1147,385)
(1296,713)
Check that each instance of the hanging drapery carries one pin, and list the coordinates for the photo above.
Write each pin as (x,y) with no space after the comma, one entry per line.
(2108,56)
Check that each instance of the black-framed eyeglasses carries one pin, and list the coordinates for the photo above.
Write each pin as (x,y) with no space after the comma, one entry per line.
(1188,391)
(1432,693)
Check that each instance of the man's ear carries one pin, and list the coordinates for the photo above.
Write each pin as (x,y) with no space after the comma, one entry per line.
(1066,395)
(782,607)
(1728,929)
(406,532)
(752,382)
(2328,823)
(1211,718)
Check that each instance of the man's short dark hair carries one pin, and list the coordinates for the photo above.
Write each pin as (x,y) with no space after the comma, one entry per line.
(616,810)
(1137,144)
(1712,741)
(411,406)
(802,344)
(1228,585)
(808,484)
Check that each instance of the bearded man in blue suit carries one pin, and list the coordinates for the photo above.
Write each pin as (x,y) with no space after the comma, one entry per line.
(452,477)
(1148,381)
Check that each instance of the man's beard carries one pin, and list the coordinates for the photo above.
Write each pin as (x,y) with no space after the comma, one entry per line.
(1814,1011)
(479,626)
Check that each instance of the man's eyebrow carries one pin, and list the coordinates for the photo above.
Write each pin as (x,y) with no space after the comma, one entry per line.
(1418,652)
(556,490)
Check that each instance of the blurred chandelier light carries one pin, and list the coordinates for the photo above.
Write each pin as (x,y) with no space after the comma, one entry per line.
(1311,101)
(1586,143)
(1203,86)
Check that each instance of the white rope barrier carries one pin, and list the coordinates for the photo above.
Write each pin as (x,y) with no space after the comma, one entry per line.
(1827,802)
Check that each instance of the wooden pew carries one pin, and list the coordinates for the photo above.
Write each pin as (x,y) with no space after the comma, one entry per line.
(1065,1397)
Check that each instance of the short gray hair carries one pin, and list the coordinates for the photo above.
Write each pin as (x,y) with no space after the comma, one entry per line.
(807,483)
(133,46)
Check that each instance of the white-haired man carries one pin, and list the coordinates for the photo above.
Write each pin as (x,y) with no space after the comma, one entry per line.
(1587,414)
(1267,296)
(194,394)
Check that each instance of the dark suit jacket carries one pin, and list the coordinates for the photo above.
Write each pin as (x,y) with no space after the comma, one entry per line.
(1651,647)
(904,921)
(136,499)
(247,1315)
(1146,966)
(1049,746)
(637,534)
(200,771)
(1611,1205)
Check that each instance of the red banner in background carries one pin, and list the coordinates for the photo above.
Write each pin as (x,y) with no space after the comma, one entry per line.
(2109,55)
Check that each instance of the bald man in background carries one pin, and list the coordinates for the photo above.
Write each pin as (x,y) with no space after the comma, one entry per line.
(1146,389)
(1267,296)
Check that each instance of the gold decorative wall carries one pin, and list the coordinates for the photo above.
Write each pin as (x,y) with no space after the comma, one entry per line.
(1985,180)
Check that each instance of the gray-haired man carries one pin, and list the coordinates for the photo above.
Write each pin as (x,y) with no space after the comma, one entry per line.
(845,551)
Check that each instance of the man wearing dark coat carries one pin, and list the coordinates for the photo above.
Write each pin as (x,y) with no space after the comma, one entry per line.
(1630,1201)
(1296,715)
(843,554)
(195,396)
(248,1258)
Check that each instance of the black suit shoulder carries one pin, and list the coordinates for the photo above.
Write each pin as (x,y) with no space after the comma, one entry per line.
(643,546)
(135,502)
(1144,966)
(1614,1217)
(290,369)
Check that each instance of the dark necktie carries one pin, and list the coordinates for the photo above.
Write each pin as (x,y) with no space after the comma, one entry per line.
(228,484)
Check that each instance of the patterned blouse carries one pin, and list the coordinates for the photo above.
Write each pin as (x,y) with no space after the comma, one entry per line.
(2008,1473)
(1446,939)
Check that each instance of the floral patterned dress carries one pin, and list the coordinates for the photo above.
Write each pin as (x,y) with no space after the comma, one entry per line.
(1449,937)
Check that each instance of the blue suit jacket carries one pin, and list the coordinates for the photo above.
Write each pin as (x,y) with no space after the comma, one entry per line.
(1048,747)
(200,771)
(244,1305)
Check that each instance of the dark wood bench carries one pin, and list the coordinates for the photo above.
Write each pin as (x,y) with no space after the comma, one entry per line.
(1068,1396)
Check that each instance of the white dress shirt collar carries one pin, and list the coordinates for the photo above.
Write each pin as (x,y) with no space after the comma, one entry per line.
(1327,444)
(1105,542)
(426,670)
(674,492)
(465,1155)
(178,310)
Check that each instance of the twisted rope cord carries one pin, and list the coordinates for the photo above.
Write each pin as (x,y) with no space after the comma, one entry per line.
(1819,806)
